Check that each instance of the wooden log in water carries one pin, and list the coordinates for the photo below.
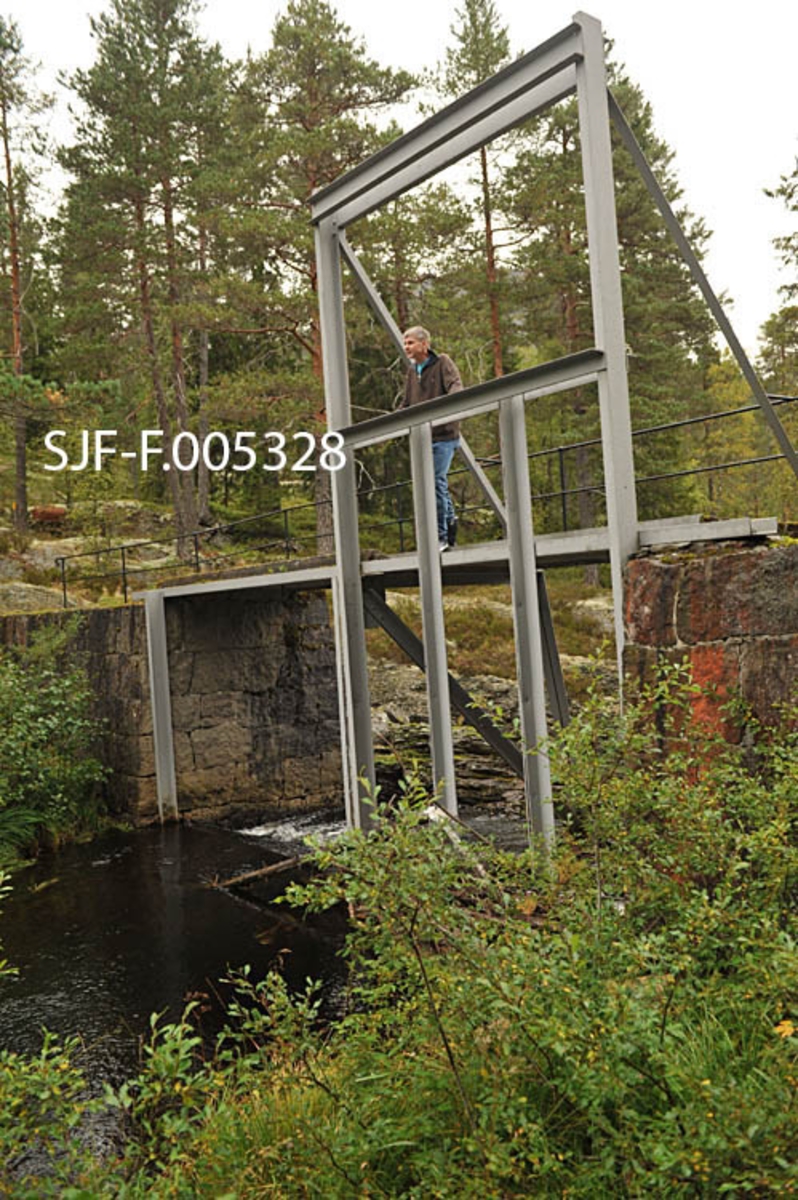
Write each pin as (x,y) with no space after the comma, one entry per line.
(285,864)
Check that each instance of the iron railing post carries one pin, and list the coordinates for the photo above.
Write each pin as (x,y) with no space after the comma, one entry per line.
(563,488)
(400,517)
(62,561)
(124,574)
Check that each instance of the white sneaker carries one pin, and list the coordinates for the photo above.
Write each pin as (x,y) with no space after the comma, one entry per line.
(443,547)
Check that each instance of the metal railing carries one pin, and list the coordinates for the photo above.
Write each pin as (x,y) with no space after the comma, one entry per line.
(191,550)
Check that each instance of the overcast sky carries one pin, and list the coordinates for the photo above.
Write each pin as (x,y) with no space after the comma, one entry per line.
(722,89)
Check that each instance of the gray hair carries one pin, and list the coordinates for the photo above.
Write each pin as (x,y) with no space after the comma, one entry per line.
(418,332)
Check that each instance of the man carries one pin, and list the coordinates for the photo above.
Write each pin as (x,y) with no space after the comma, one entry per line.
(430,375)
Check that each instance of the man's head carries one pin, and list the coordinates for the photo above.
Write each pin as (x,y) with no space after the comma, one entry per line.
(416,340)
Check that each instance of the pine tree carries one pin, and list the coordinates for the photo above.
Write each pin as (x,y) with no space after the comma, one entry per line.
(482,47)
(779,354)
(307,109)
(20,104)
(132,223)
(778,366)
(733,492)
(667,329)
(787,246)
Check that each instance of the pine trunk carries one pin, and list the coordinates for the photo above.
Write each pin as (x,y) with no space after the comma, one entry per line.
(490,268)
(203,474)
(187,520)
(164,419)
(20,418)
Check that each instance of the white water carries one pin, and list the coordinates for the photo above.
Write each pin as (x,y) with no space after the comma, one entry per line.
(302,831)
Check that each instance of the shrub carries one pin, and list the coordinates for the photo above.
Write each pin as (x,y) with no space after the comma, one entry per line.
(42,1101)
(47,774)
(613,1021)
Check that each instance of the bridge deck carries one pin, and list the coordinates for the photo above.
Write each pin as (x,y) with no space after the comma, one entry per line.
(484,562)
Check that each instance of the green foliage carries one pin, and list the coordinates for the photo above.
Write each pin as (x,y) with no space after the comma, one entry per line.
(617,1026)
(6,968)
(47,773)
(42,1101)
(164,1103)
(614,1022)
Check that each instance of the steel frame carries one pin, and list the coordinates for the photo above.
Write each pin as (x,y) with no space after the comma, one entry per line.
(571,61)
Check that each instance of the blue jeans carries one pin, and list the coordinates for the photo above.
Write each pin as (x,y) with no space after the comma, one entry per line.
(442,455)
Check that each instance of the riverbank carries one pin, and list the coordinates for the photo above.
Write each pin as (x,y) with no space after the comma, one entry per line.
(615,1021)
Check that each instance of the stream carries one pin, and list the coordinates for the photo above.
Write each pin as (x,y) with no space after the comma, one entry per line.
(105,933)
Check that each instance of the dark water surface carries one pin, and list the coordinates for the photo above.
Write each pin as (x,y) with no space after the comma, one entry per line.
(106,933)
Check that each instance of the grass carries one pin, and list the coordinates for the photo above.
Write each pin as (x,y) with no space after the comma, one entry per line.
(479,625)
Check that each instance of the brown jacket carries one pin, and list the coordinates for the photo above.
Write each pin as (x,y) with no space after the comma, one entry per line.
(439,377)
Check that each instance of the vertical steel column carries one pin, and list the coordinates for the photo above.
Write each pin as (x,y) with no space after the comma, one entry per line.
(429,575)
(526,616)
(605,282)
(345,715)
(161,701)
(353,692)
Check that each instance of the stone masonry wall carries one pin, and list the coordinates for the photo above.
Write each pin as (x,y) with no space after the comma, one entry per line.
(730,609)
(254,704)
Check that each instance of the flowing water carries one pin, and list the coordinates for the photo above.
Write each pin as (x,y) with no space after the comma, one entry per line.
(106,933)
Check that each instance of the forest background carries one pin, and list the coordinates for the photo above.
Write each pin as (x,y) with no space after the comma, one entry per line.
(172,284)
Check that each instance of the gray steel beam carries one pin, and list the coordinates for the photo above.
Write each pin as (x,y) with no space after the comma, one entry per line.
(375,300)
(161,702)
(654,533)
(429,576)
(488,490)
(697,272)
(551,550)
(355,709)
(607,301)
(450,150)
(526,617)
(462,702)
(552,667)
(300,577)
(525,87)
(382,314)
(572,371)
